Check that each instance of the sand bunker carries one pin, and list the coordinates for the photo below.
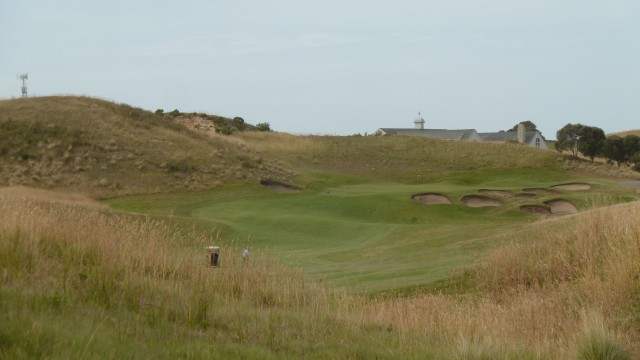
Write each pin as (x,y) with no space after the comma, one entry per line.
(634,184)
(480,201)
(505,193)
(561,206)
(431,198)
(540,191)
(525,195)
(536,209)
(572,186)
(279,186)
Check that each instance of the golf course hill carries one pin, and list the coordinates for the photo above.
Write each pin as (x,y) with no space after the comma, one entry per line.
(105,149)
(361,247)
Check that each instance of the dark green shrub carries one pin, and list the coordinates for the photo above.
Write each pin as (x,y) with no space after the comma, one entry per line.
(263,126)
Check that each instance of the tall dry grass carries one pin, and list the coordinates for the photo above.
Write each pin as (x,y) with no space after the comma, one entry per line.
(77,253)
(543,294)
(282,143)
(570,290)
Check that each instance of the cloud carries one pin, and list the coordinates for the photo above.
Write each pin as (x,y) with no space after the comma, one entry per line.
(232,45)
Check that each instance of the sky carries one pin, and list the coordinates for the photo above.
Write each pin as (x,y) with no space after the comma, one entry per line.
(337,67)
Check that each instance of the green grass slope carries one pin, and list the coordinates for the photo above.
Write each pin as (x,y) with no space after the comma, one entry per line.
(370,236)
(107,149)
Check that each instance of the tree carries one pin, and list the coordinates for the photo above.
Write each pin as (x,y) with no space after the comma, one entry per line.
(528,126)
(568,137)
(631,147)
(238,123)
(613,149)
(263,126)
(591,141)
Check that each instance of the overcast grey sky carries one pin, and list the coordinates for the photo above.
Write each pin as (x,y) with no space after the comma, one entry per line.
(338,67)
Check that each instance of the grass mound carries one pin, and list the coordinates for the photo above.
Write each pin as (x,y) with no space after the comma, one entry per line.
(572,186)
(106,149)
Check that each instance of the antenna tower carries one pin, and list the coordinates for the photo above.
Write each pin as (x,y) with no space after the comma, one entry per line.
(24,78)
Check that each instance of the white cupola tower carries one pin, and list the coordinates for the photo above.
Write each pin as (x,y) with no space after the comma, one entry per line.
(419,121)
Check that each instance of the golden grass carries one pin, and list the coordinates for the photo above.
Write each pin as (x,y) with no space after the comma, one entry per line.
(625,133)
(283,143)
(571,282)
(98,147)
(536,294)
(397,158)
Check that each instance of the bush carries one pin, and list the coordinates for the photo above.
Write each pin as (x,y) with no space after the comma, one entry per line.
(225,130)
(238,123)
(263,127)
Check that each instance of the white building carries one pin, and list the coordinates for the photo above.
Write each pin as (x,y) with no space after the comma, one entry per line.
(529,138)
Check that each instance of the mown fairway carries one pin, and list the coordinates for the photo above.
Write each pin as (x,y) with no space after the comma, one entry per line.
(368,236)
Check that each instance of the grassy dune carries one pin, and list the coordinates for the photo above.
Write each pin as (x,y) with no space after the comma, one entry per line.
(105,149)
(81,282)
(402,159)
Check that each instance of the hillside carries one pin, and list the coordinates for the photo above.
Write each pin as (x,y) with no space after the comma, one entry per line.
(106,149)
(625,133)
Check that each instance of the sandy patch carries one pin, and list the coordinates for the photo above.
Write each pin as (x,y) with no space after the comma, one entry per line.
(196,123)
(634,184)
(279,186)
(525,195)
(505,193)
(572,186)
(561,206)
(536,209)
(480,201)
(431,198)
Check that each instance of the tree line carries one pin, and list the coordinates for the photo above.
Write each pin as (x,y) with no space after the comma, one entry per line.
(591,141)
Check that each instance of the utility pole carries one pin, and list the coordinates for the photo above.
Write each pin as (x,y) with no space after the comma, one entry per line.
(24,78)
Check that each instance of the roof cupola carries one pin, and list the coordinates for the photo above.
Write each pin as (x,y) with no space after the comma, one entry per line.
(419,121)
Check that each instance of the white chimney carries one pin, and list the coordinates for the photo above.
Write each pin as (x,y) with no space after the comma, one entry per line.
(419,121)
(521,133)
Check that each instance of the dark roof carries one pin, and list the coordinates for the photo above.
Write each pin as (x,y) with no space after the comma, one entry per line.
(504,136)
(444,134)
